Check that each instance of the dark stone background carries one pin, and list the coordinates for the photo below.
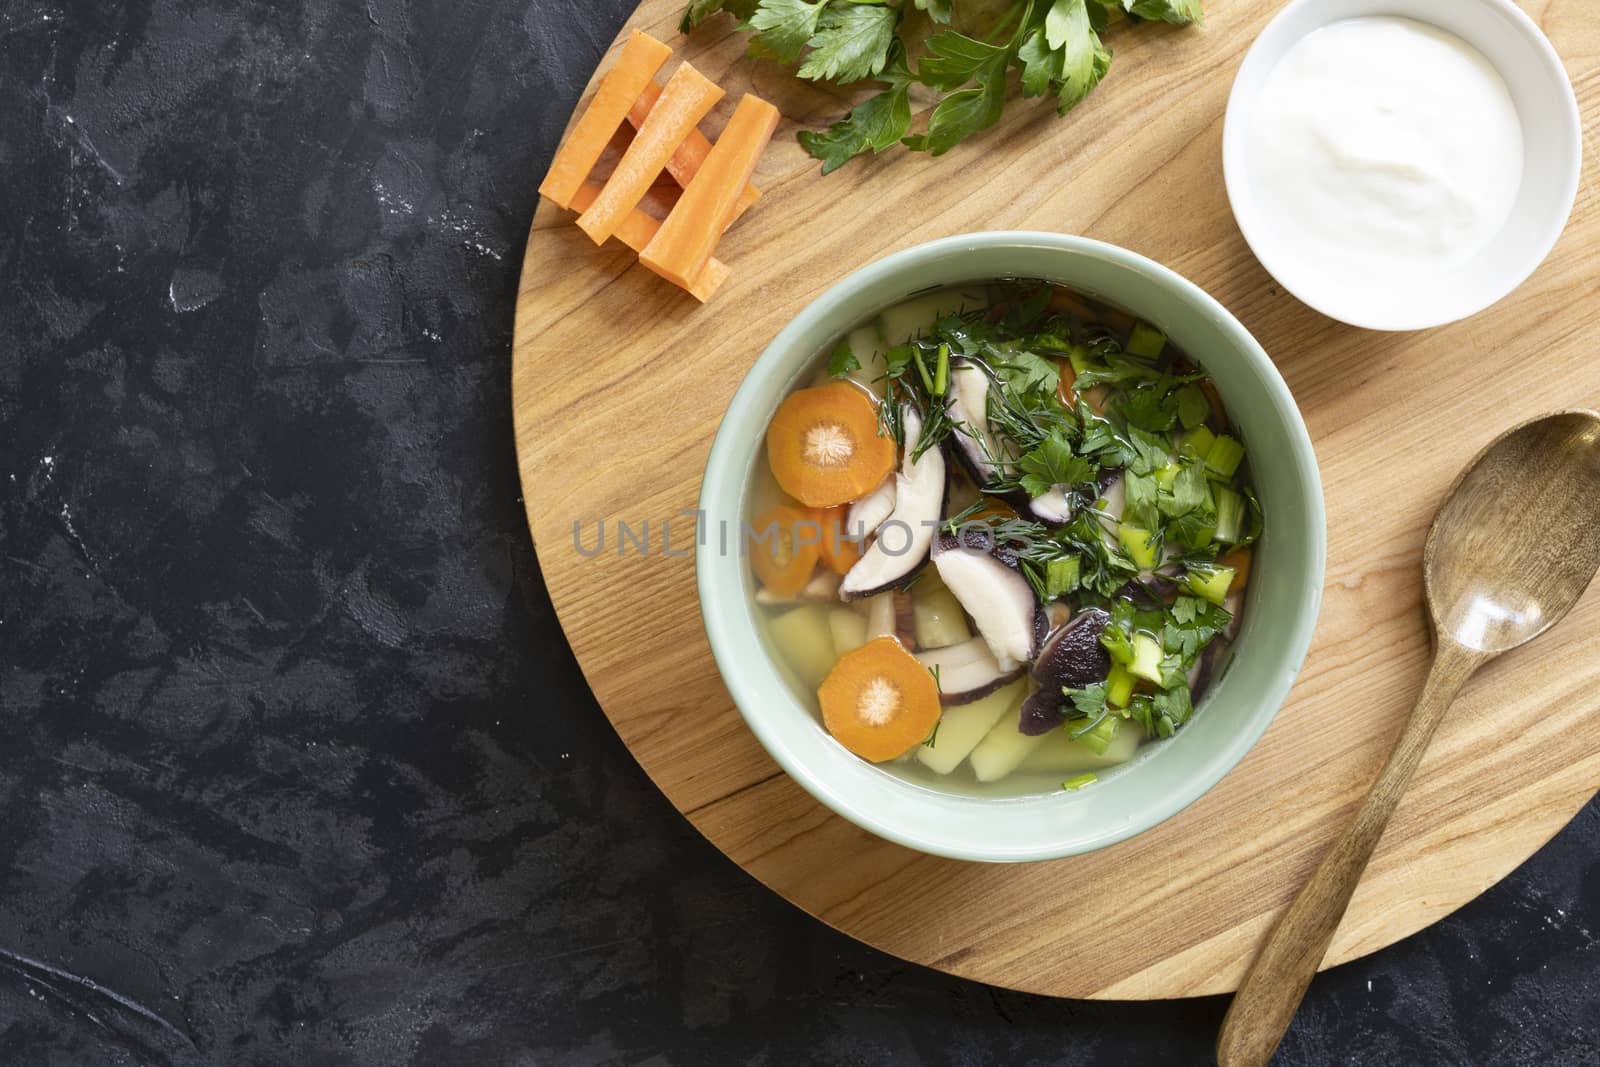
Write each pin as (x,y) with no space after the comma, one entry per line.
(294,764)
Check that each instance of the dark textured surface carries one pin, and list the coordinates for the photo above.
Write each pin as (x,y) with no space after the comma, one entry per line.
(294,765)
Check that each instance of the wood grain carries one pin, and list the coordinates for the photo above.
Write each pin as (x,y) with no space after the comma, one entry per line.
(619,382)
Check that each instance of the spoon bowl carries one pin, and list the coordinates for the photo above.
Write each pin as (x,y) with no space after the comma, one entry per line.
(1518,538)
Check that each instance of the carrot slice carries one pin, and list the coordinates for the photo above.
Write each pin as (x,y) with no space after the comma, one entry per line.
(1071,303)
(684,242)
(878,701)
(837,551)
(1067,393)
(641,57)
(1239,560)
(686,161)
(824,447)
(783,548)
(684,102)
(636,230)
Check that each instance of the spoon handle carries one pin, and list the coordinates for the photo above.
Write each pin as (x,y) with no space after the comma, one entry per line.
(1277,980)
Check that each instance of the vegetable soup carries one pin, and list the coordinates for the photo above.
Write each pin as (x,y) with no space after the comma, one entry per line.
(1002,532)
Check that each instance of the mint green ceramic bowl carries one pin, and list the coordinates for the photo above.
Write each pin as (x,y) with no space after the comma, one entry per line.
(1166,776)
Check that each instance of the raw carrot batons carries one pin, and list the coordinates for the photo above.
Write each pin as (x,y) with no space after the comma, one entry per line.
(715,178)
(878,701)
(684,102)
(641,57)
(824,446)
(690,154)
(685,241)
(635,231)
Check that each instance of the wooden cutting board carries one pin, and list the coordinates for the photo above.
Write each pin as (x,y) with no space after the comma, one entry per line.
(619,382)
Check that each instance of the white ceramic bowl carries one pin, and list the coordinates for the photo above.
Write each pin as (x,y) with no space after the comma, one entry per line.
(1553,152)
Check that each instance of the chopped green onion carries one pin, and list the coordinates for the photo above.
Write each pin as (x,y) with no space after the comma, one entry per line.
(1145,340)
(941,372)
(1061,576)
(1139,544)
(1212,583)
(1197,442)
(1075,784)
(1119,686)
(1230,515)
(1165,476)
(1097,736)
(1224,457)
(1146,658)
(922,369)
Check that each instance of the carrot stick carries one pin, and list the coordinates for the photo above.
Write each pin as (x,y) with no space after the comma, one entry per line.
(684,102)
(641,57)
(690,154)
(680,249)
(636,231)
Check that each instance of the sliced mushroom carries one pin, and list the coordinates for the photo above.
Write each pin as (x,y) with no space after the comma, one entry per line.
(900,548)
(968,671)
(1054,508)
(980,452)
(1113,492)
(868,513)
(987,579)
(1071,658)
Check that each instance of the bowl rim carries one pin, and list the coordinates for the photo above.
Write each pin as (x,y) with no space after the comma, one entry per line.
(1273,42)
(729,459)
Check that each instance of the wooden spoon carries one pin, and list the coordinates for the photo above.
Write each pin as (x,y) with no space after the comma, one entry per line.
(1510,552)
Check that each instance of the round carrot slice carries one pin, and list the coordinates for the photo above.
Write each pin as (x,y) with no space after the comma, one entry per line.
(836,550)
(878,701)
(783,548)
(824,447)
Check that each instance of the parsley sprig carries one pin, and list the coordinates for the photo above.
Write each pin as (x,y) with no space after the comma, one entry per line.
(963,51)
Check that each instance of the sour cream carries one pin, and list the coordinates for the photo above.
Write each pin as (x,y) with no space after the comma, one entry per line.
(1379,148)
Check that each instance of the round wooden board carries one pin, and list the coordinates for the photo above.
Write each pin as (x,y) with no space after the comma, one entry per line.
(619,382)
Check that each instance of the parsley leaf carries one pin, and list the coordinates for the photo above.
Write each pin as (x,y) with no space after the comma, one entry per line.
(1025,372)
(1041,64)
(1090,701)
(853,42)
(784,27)
(938,10)
(1193,407)
(1139,493)
(1150,451)
(1084,60)
(843,361)
(1177,12)
(1190,490)
(876,123)
(1051,464)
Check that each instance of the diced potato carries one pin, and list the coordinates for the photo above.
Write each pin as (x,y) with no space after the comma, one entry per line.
(913,317)
(805,642)
(1002,750)
(961,727)
(849,629)
(1062,755)
(940,622)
